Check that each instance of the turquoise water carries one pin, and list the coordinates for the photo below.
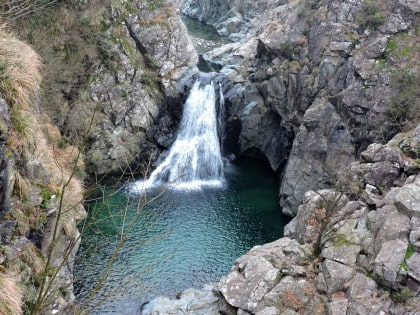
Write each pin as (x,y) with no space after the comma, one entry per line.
(182,239)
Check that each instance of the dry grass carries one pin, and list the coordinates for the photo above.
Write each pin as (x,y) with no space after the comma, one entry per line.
(10,295)
(19,71)
(32,256)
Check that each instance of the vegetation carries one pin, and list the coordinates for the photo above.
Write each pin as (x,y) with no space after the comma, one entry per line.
(14,9)
(404,107)
(372,14)
(403,56)
(10,295)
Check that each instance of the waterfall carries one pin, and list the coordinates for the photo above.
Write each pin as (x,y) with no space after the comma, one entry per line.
(221,116)
(194,159)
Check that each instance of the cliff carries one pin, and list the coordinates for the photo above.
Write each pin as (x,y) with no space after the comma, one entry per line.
(41,195)
(338,256)
(313,83)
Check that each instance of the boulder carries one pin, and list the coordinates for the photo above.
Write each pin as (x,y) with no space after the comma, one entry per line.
(321,148)
(198,302)
(389,259)
(334,276)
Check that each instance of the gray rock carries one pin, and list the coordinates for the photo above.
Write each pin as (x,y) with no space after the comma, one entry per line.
(321,148)
(191,301)
(362,288)
(380,153)
(345,254)
(394,226)
(413,264)
(389,259)
(414,237)
(407,198)
(290,292)
(375,48)
(336,275)
(338,306)
(269,311)
(249,281)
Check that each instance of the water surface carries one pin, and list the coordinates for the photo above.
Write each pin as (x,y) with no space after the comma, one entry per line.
(182,239)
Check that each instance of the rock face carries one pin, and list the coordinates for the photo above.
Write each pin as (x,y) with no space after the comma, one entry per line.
(367,262)
(293,59)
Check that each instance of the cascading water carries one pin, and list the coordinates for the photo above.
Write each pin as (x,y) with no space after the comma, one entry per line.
(194,159)
(221,116)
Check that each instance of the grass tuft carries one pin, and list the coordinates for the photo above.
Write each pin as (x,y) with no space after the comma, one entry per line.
(10,295)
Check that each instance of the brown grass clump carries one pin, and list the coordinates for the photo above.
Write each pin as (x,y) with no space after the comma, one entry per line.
(19,71)
(10,295)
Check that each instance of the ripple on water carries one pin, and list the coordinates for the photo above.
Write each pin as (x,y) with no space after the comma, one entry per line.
(185,238)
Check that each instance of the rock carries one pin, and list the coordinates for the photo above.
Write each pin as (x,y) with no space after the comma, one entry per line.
(389,260)
(375,48)
(362,288)
(311,213)
(394,226)
(199,302)
(407,198)
(269,311)
(249,281)
(414,237)
(335,275)
(408,142)
(381,153)
(321,147)
(413,264)
(290,292)
(338,306)
(345,254)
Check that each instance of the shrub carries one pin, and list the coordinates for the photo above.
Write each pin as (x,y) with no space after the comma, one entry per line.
(371,15)
(404,107)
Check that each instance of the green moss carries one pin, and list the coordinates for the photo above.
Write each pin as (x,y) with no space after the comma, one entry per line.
(341,240)
(380,63)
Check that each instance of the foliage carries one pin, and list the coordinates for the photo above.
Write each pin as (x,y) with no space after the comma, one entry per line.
(404,107)
(371,15)
(402,297)
(13,9)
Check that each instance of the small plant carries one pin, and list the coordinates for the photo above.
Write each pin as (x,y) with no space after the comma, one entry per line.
(371,15)
(402,297)
(408,254)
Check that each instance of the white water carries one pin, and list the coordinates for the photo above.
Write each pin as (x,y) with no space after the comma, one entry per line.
(194,159)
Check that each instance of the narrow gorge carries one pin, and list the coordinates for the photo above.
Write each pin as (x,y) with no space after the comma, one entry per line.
(313,114)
